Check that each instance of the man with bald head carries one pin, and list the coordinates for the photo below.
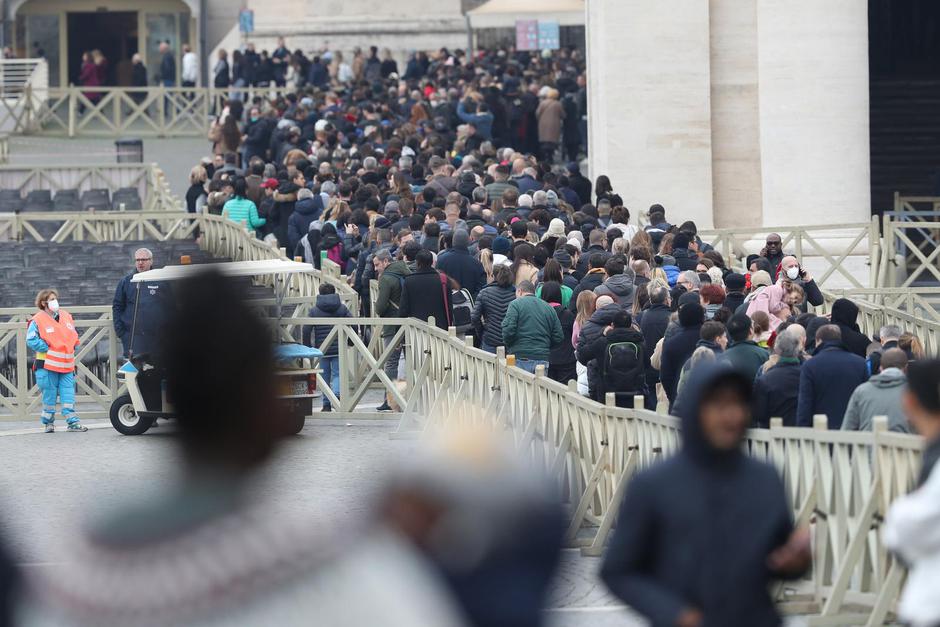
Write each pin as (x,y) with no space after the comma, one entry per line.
(792,272)
(880,396)
(140,309)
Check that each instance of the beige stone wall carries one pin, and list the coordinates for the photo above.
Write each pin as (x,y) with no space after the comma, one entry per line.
(814,110)
(649,111)
(732,112)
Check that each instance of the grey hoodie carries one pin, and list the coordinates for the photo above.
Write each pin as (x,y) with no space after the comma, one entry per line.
(879,396)
(621,286)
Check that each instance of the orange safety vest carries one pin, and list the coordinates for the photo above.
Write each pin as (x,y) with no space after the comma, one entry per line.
(62,339)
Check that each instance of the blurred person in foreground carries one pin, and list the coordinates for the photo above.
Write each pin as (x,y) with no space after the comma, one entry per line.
(491,526)
(205,553)
(912,526)
(701,535)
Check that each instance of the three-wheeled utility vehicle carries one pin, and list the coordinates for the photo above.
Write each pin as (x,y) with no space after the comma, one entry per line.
(145,401)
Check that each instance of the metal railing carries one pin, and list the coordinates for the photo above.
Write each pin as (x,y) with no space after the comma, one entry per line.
(117,111)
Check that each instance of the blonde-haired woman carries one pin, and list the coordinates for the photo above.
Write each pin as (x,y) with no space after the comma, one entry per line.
(585,306)
(51,334)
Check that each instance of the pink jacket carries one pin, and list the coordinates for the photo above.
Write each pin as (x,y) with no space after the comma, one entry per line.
(769,300)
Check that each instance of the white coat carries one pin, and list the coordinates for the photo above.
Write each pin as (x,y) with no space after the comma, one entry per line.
(912,531)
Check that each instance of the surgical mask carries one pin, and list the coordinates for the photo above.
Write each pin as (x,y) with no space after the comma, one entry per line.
(53,305)
(254,118)
(793,272)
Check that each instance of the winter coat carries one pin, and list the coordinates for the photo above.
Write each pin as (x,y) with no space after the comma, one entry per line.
(653,327)
(621,287)
(284,200)
(390,287)
(563,354)
(685,259)
(305,212)
(733,300)
(526,272)
(827,382)
(776,393)
(328,306)
(424,295)
(531,329)
(152,309)
(550,115)
(879,396)
(910,531)
(676,351)
(746,357)
(488,312)
(590,282)
(243,211)
(460,265)
(332,244)
(844,315)
(695,530)
(590,332)
(607,380)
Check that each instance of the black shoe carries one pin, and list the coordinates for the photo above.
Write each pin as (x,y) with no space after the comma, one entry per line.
(325,408)
(383,407)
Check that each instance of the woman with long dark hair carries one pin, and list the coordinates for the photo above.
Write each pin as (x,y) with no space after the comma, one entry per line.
(561,361)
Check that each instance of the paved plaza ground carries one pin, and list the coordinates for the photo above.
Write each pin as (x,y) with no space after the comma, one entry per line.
(53,484)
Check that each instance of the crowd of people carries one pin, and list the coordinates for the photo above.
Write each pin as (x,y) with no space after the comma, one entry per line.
(441,183)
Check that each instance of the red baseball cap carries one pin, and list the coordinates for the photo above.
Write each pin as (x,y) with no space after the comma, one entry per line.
(270,184)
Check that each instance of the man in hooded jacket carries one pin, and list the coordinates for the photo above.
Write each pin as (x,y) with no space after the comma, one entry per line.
(679,347)
(702,535)
(844,315)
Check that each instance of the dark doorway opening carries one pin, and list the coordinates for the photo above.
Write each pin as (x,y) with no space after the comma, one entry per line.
(904,84)
(114,33)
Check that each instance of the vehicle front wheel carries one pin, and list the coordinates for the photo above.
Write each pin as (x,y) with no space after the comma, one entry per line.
(125,419)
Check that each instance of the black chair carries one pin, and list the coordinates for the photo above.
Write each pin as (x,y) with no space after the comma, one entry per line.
(129,197)
(97,199)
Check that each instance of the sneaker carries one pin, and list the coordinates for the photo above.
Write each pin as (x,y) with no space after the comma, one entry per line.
(325,408)
(383,407)
(77,426)
(50,428)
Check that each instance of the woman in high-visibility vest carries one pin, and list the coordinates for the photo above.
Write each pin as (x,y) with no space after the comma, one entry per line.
(51,333)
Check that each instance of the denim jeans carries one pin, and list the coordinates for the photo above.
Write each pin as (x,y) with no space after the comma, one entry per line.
(391,365)
(330,367)
(489,348)
(529,365)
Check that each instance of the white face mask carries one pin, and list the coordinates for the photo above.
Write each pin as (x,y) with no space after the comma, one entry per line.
(53,305)
(793,272)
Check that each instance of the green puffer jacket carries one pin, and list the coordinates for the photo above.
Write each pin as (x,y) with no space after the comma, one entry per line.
(531,329)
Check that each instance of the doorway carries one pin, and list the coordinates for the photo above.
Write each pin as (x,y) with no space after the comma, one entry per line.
(114,33)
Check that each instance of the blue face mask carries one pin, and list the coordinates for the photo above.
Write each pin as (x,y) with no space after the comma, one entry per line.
(254,118)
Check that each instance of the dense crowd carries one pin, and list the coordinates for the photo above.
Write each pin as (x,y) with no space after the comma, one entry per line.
(447,184)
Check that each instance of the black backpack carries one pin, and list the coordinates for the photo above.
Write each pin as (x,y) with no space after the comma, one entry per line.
(624,370)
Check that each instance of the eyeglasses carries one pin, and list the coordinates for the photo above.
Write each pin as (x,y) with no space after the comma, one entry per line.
(143,260)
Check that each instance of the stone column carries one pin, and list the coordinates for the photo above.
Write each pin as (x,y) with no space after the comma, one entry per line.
(736,164)
(813,72)
(649,104)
